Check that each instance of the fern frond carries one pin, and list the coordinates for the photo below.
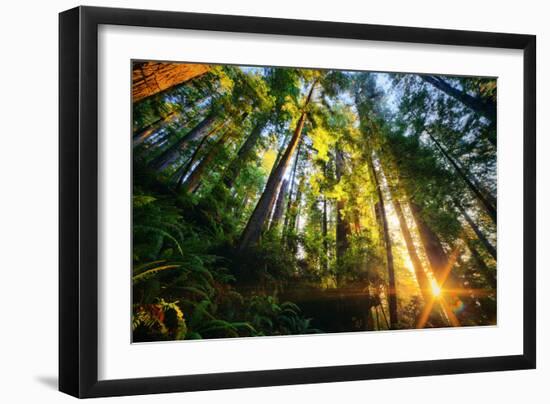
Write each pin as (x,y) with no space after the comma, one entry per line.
(153,271)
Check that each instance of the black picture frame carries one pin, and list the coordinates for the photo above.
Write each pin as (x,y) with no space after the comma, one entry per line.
(78,201)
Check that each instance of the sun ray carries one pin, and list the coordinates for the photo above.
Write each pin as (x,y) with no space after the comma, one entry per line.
(441,295)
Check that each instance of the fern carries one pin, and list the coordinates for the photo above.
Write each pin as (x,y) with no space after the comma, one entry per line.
(153,271)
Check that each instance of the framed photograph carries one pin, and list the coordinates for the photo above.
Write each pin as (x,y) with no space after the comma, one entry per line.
(251,201)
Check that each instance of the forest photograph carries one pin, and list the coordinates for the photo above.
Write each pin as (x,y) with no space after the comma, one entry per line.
(272,201)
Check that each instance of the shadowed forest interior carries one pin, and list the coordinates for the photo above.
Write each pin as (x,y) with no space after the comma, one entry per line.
(283,201)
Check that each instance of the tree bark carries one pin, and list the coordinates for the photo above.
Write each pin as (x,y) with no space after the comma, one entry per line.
(294,213)
(392,298)
(488,246)
(193,182)
(150,78)
(171,154)
(487,201)
(154,127)
(271,207)
(232,172)
(325,233)
(279,206)
(439,263)
(487,273)
(187,166)
(342,223)
(432,245)
(484,108)
(421,277)
(253,229)
(290,202)
(421,272)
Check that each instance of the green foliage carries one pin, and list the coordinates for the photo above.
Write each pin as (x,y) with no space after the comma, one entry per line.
(367,138)
(272,318)
(158,321)
(182,291)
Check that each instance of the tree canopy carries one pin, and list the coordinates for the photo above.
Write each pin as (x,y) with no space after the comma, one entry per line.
(276,201)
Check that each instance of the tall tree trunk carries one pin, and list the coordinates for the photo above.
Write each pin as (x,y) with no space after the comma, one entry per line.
(485,271)
(487,201)
(435,315)
(342,231)
(488,246)
(150,78)
(432,245)
(437,257)
(421,277)
(187,166)
(482,107)
(193,182)
(279,206)
(392,298)
(171,154)
(253,229)
(144,133)
(295,207)
(324,230)
(342,223)
(153,128)
(291,192)
(271,207)
(419,270)
(440,264)
(232,172)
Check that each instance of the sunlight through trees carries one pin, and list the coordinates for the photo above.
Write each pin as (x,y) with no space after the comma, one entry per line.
(276,201)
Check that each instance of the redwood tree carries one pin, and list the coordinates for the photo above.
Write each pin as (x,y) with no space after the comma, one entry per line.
(253,229)
(203,129)
(483,107)
(150,78)
(392,298)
